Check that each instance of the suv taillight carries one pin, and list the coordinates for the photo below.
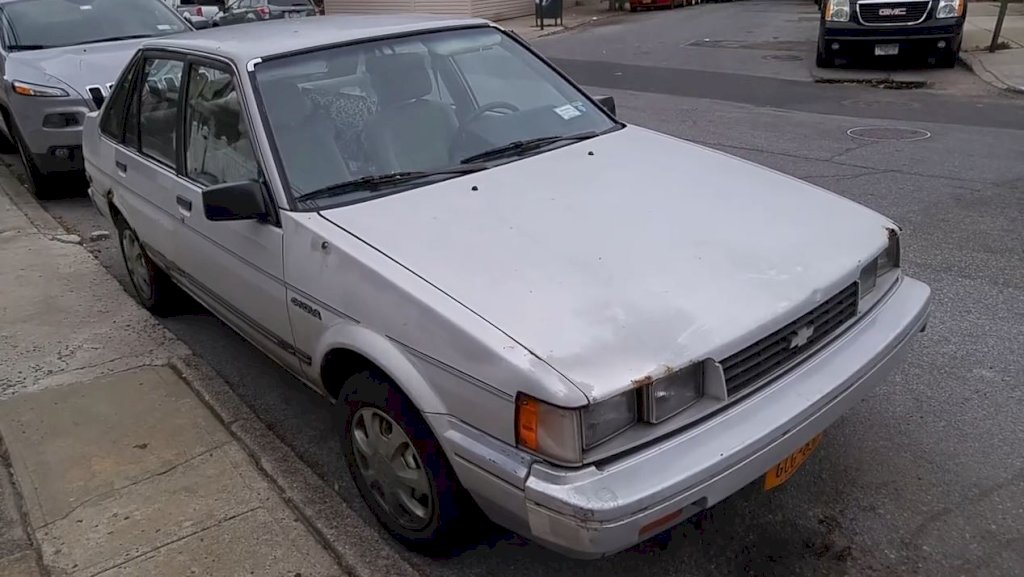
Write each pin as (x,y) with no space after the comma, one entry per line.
(263,11)
(199,11)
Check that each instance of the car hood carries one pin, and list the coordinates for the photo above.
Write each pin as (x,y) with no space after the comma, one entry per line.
(75,67)
(627,255)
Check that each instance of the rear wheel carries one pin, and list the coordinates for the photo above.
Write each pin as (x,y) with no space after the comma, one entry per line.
(399,467)
(154,289)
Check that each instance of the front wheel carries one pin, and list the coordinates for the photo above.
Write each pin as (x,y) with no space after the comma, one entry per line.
(822,59)
(39,184)
(947,59)
(399,467)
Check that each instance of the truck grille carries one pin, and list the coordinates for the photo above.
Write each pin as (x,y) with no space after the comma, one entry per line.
(888,13)
(762,359)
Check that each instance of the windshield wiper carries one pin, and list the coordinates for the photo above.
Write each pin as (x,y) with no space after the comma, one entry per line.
(376,181)
(526,145)
(15,47)
(115,39)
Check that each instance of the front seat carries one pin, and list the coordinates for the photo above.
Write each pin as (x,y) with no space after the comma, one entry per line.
(409,132)
(305,138)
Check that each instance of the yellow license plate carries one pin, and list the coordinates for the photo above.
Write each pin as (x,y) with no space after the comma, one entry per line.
(781,473)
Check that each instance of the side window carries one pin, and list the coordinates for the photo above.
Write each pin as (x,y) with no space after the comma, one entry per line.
(158,108)
(218,148)
(113,122)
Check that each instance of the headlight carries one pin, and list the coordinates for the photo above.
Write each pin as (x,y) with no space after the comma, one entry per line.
(671,394)
(838,11)
(27,89)
(885,262)
(950,8)
(563,434)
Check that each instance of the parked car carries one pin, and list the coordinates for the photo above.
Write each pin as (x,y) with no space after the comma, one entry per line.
(891,28)
(58,59)
(246,11)
(436,229)
(199,13)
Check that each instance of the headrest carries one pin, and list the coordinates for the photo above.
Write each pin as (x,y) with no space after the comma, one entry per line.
(398,78)
(284,101)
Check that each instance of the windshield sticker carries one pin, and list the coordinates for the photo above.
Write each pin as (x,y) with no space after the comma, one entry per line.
(568,111)
(163,26)
(579,106)
(85,7)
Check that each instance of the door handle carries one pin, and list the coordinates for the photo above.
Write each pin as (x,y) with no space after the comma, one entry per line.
(121,167)
(184,205)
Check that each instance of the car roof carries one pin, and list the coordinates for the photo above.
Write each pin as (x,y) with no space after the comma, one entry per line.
(244,42)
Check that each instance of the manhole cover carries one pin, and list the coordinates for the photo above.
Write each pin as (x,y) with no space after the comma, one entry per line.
(783,57)
(888,133)
(873,103)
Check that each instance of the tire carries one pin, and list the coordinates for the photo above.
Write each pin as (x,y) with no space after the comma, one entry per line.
(822,60)
(155,290)
(374,413)
(947,59)
(39,184)
(632,8)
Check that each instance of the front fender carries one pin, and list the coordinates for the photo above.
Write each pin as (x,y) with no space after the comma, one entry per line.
(383,352)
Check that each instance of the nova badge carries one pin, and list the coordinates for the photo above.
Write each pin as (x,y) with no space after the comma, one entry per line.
(306,308)
(892,11)
(801,336)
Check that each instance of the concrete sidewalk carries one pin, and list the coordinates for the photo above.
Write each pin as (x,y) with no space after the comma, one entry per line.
(122,470)
(575,13)
(1005,67)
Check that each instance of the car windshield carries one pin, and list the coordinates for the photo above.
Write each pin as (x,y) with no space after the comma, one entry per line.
(354,122)
(38,24)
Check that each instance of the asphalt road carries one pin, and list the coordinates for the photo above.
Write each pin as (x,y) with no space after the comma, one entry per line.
(926,477)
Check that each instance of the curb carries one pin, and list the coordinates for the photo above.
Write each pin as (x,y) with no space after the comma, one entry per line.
(22,556)
(978,68)
(360,549)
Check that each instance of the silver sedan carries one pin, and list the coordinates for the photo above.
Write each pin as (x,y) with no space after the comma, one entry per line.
(518,304)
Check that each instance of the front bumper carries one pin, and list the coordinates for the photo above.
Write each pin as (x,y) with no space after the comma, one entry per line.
(853,36)
(601,509)
(54,150)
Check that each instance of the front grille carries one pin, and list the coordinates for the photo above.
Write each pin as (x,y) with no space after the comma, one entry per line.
(883,13)
(760,360)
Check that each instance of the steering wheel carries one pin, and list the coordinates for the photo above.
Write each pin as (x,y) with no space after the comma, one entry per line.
(489,107)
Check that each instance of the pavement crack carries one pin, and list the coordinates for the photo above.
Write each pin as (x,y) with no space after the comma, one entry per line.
(176,540)
(105,494)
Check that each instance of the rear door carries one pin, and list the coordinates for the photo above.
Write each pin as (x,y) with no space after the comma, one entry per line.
(235,267)
(144,162)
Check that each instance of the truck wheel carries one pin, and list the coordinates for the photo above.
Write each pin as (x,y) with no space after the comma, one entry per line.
(823,60)
(399,467)
(947,59)
(155,290)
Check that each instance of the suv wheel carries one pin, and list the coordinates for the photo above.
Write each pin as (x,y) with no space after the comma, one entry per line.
(155,290)
(39,184)
(399,467)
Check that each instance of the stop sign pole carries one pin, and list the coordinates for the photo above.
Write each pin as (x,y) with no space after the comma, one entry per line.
(998,30)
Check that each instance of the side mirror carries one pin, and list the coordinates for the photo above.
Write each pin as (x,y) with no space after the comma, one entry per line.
(608,102)
(235,201)
(201,24)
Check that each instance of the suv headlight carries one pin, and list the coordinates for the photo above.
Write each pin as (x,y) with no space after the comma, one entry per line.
(838,11)
(29,89)
(950,8)
(563,434)
(885,262)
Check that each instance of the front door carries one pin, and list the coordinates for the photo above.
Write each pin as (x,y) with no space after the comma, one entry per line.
(144,162)
(236,267)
